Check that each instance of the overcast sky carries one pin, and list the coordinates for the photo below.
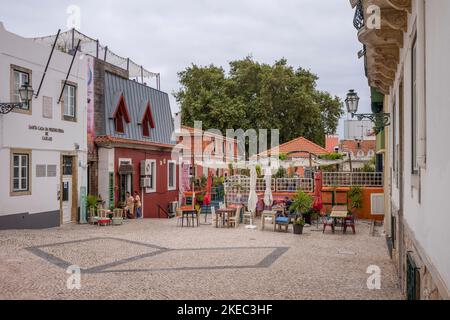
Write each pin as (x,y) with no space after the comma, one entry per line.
(167,35)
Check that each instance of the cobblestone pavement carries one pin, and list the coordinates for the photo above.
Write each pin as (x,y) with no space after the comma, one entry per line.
(153,259)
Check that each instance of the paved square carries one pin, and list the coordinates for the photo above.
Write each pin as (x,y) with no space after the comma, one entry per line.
(153,259)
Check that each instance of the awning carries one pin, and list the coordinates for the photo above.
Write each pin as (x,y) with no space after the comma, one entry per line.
(126,169)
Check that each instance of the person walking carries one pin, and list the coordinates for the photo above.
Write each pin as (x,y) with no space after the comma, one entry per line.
(130,205)
(138,205)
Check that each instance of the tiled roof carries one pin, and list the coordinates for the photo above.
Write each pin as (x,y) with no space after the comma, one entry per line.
(355,146)
(301,144)
(114,140)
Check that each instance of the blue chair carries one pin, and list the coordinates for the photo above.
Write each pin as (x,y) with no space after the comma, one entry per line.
(282,220)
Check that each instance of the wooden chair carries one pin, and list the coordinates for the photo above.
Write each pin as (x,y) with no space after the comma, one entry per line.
(178,216)
(282,219)
(93,217)
(247,217)
(117,219)
(103,218)
(235,219)
(216,222)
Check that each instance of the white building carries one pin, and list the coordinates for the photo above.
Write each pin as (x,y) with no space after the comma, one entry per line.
(43,145)
(406,61)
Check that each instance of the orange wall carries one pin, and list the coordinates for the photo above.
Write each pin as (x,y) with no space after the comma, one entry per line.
(364,212)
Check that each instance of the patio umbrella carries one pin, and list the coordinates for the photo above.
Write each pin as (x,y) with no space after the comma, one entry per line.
(268,197)
(252,197)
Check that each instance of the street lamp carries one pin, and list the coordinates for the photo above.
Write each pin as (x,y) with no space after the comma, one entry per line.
(381,120)
(26,94)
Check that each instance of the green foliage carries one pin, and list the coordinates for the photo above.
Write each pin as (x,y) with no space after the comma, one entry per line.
(368,167)
(302,202)
(91,201)
(332,156)
(355,195)
(299,221)
(217,181)
(258,95)
(258,170)
(283,156)
(281,173)
(329,168)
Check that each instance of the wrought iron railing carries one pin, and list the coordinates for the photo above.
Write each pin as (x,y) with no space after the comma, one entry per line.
(349,179)
(358,20)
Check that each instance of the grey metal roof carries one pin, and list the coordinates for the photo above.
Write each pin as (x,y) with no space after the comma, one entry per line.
(136,96)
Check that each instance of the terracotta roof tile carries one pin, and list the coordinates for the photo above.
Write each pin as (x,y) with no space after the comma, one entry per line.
(301,144)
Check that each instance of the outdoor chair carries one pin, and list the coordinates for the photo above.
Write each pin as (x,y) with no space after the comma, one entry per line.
(93,217)
(328,222)
(235,219)
(282,220)
(248,217)
(349,222)
(103,218)
(117,218)
(216,222)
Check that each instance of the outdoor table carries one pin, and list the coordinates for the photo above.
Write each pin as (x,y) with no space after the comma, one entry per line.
(339,212)
(222,213)
(265,214)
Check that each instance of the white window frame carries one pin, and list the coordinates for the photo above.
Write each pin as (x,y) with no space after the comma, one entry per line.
(152,176)
(174,187)
(20,177)
(70,101)
(19,75)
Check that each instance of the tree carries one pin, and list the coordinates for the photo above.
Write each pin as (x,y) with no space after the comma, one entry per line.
(254,95)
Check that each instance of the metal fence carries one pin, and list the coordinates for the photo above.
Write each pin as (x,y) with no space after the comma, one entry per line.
(294,184)
(350,179)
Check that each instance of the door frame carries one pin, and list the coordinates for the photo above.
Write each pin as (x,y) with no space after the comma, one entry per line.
(74,209)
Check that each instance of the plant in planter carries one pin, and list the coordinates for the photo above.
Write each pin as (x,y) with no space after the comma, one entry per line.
(299,223)
(355,195)
(302,204)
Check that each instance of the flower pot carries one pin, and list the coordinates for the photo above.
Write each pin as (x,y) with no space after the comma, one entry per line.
(298,229)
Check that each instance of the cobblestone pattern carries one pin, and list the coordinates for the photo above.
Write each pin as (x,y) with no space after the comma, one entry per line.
(153,259)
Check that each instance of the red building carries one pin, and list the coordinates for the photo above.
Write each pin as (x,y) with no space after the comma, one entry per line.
(134,128)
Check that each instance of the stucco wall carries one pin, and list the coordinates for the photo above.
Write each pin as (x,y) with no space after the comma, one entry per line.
(15,131)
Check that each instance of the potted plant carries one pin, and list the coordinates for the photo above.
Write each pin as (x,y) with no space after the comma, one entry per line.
(302,204)
(299,223)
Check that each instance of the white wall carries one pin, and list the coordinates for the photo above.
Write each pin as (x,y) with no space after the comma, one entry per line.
(429,216)
(14,127)
(105,166)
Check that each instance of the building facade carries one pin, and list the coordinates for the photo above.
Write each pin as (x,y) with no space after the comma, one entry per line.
(43,145)
(134,146)
(405,62)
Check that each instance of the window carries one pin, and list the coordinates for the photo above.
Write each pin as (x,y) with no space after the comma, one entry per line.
(70,102)
(152,176)
(147,121)
(67,165)
(19,77)
(171,176)
(414,113)
(120,115)
(20,173)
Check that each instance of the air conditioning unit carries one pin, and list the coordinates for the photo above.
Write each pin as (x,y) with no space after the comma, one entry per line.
(146,168)
(146,182)
(173,206)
